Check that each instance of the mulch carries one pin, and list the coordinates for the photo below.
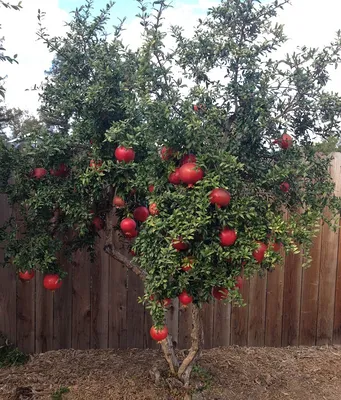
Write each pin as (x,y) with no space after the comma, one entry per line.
(235,373)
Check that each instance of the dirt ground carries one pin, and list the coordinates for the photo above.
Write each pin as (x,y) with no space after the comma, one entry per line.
(225,373)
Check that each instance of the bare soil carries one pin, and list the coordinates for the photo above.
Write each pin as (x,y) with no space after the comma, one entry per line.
(222,374)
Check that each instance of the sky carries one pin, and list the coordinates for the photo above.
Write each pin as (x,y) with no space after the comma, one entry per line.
(309,22)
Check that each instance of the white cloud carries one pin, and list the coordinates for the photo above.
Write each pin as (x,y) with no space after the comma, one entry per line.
(308,22)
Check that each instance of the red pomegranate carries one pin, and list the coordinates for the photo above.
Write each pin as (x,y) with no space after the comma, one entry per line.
(220,197)
(179,245)
(141,214)
(128,225)
(153,209)
(174,177)
(98,223)
(188,158)
(131,234)
(26,276)
(39,173)
(132,252)
(259,253)
(188,265)
(220,293)
(151,188)
(118,202)
(166,153)
(276,246)
(61,171)
(239,282)
(185,298)
(227,237)
(285,141)
(96,164)
(124,154)
(190,173)
(159,334)
(195,108)
(52,282)
(285,187)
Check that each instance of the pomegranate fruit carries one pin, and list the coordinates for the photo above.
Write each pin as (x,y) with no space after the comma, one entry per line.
(52,282)
(188,265)
(174,177)
(153,209)
(132,252)
(190,173)
(285,141)
(166,153)
(61,171)
(276,246)
(39,173)
(259,253)
(124,154)
(285,187)
(118,202)
(26,276)
(151,188)
(131,234)
(227,237)
(159,334)
(239,282)
(185,298)
(179,245)
(220,293)
(141,214)
(220,197)
(98,223)
(96,164)
(127,225)
(188,158)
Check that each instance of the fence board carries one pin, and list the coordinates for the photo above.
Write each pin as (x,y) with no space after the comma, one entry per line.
(25,316)
(185,326)
(8,303)
(172,321)
(239,319)
(135,312)
(257,302)
(44,316)
(337,312)
(221,324)
(81,311)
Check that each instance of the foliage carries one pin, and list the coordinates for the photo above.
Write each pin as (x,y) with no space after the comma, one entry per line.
(58,394)
(328,146)
(10,355)
(97,90)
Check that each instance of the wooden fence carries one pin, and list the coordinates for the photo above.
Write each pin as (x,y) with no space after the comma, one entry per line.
(97,305)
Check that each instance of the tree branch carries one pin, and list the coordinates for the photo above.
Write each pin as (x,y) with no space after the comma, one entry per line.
(169,353)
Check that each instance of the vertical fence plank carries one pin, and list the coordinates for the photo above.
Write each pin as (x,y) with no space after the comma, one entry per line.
(185,326)
(62,310)
(329,254)
(44,316)
(291,299)
(239,319)
(257,302)
(337,310)
(81,311)
(208,324)
(172,321)
(135,312)
(8,301)
(25,316)
(310,288)
(221,324)
(100,298)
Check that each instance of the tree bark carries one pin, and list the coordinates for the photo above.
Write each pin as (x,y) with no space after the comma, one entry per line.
(197,336)
(169,353)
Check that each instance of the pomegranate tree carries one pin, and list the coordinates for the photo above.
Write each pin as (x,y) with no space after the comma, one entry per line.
(196,193)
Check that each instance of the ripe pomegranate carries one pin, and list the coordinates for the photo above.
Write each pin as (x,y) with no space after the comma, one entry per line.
(118,202)
(239,282)
(26,276)
(166,302)
(39,173)
(159,334)
(285,141)
(185,298)
(153,209)
(132,252)
(141,214)
(96,164)
(285,187)
(124,154)
(220,293)
(179,245)
(259,253)
(276,246)
(190,173)
(166,153)
(174,177)
(131,234)
(151,188)
(128,225)
(227,237)
(188,265)
(61,171)
(52,282)
(188,158)
(98,223)
(220,197)
(195,108)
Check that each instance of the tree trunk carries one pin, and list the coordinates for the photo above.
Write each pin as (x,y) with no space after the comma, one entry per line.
(197,336)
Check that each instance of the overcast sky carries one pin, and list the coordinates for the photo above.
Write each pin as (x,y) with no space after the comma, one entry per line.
(311,22)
